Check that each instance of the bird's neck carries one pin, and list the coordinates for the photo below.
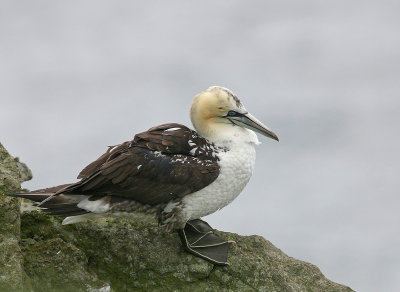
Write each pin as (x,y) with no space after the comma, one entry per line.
(230,136)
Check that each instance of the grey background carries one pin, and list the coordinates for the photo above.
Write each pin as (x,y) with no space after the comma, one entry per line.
(77,76)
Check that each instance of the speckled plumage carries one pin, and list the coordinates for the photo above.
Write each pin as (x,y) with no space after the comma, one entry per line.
(236,164)
(236,167)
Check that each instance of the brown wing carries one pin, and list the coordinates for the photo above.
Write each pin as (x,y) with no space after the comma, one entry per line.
(163,163)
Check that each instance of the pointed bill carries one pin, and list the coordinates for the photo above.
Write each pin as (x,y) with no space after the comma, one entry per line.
(250,122)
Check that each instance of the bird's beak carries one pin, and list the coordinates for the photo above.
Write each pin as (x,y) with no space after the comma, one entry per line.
(250,122)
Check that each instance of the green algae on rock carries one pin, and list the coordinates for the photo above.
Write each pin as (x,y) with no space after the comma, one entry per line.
(12,174)
(135,254)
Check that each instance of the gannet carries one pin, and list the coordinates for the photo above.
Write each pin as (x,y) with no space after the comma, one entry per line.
(172,172)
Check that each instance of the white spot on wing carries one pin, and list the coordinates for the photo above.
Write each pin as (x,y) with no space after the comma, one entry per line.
(111,148)
(158,154)
(193,151)
(172,129)
(96,206)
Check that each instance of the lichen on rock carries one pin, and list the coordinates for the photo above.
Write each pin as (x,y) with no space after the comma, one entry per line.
(12,174)
(135,254)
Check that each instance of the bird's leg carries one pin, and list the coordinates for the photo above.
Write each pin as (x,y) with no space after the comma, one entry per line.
(198,239)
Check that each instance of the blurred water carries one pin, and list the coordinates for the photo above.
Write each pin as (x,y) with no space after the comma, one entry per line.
(78,76)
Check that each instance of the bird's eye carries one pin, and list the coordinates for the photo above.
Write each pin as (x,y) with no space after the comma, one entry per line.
(232,113)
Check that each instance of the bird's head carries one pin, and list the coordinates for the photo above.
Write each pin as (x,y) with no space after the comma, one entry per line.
(217,111)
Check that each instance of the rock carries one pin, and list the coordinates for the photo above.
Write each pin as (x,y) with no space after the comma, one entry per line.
(12,174)
(52,261)
(134,254)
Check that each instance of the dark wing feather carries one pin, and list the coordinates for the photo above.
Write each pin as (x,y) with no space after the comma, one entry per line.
(163,163)
(112,152)
(58,205)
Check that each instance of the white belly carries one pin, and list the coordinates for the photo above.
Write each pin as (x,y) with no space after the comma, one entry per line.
(236,167)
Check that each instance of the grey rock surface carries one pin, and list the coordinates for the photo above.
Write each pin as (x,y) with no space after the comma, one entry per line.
(12,174)
(134,254)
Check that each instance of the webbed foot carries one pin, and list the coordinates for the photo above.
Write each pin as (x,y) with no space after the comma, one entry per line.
(198,239)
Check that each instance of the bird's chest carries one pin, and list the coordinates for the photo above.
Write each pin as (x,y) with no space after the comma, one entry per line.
(236,167)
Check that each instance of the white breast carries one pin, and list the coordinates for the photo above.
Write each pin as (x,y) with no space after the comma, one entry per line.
(236,167)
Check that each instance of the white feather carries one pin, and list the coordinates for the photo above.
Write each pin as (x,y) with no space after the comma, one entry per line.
(96,206)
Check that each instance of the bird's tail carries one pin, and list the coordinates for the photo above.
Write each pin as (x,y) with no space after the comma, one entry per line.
(60,204)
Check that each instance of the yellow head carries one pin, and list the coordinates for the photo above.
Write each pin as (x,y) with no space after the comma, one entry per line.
(217,110)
